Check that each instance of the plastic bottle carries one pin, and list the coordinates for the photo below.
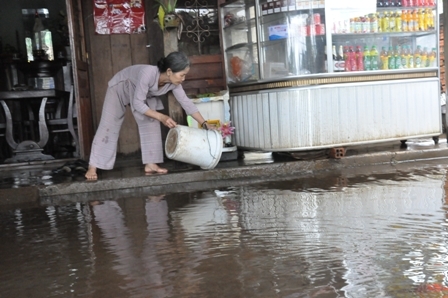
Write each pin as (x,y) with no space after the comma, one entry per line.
(367,59)
(347,61)
(352,59)
(404,21)
(335,59)
(432,58)
(404,3)
(398,22)
(410,58)
(414,18)
(427,20)
(392,27)
(374,58)
(359,59)
(391,58)
(404,57)
(341,59)
(385,22)
(424,58)
(418,57)
(373,24)
(384,56)
(397,54)
(421,20)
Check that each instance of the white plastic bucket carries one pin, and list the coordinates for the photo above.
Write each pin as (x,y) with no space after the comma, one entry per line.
(194,146)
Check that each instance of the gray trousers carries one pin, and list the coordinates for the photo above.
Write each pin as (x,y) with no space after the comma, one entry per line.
(105,142)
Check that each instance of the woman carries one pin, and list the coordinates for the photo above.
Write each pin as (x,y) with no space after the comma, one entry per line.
(139,86)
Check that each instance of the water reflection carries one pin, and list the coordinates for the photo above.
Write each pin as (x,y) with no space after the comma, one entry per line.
(373,235)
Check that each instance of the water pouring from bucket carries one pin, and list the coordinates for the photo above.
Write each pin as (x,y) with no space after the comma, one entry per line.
(194,146)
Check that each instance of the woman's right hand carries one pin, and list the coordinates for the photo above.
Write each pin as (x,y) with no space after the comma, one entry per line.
(167,121)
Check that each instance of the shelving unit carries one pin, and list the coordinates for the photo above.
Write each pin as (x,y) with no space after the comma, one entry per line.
(281,72)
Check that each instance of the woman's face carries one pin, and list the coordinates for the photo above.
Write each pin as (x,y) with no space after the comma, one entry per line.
(177,78)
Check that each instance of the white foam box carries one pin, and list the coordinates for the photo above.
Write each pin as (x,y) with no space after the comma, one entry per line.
(212,110)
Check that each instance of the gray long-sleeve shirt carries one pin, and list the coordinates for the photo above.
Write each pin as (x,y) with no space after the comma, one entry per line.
(144,79)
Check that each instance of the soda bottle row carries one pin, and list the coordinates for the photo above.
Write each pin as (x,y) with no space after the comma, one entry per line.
(354,58)
(403,57)
(405,3)
(407,20)
(390,21)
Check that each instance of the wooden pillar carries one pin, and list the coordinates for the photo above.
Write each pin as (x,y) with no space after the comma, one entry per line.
(170,45)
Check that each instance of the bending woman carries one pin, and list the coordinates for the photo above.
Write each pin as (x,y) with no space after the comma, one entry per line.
(139,86)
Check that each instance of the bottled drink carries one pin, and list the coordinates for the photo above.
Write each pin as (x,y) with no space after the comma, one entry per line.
(414,20)
(427,20)
(335,61)
(424,58)
(391,58)
(432,58)
(347,65)
(359,59)
(392,3)
(386,3)
(367,59)
(374,58)
(397,54)
(404,21)
(398,3)
(410,59)
(373,24)
(418,57)
(352,59)
(341,59)
(384,56)
(405,3)
(379,3)
(421,20)
(392,22)
(398,22)
(385,22)
(404,57)
(411,3)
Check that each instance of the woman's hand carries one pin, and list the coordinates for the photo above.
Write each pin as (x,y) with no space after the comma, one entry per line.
(167,121)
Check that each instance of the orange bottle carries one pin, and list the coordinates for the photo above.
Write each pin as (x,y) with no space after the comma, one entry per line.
(404,21)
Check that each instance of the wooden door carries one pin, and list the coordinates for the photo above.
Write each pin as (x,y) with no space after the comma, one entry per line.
(80,75)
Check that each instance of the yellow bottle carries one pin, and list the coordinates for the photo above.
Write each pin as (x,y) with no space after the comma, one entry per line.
(392,27)
(432,58)
(380,22)
(385,22)
(384,59)
(421,20)
(429,19)
(424,57)
(398,22)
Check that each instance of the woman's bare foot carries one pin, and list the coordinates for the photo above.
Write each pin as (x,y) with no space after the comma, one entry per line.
(154,168)
(91,173)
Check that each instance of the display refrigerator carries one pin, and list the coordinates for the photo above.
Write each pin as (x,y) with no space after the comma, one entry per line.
(305,75)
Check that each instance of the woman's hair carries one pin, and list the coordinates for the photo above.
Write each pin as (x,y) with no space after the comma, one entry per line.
(177,61)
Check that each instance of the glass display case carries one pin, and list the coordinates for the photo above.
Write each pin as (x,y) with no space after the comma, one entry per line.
(271,39)
(315,74)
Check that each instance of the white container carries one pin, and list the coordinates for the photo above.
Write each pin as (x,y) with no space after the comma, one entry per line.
(194,146)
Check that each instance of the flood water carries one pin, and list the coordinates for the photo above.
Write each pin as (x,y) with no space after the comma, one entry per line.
(365,235)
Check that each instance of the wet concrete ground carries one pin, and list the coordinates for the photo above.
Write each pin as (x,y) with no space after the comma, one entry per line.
(48,183)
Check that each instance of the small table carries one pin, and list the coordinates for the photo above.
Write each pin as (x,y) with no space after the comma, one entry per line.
(29,150)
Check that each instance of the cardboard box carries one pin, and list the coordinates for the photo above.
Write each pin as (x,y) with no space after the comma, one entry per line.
(278,32)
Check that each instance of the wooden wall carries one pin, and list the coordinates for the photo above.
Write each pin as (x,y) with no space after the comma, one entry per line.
(111,53)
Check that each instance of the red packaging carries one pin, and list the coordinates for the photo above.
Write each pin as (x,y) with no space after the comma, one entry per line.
(310,30)
(320,29)
(316,18)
